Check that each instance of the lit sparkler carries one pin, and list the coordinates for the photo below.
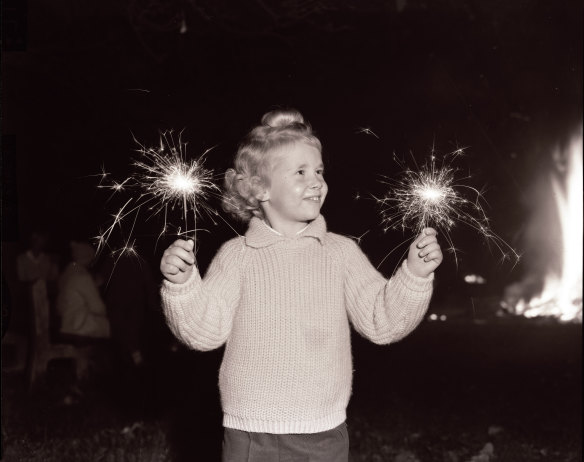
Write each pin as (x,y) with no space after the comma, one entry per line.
(164,181)
(434,196)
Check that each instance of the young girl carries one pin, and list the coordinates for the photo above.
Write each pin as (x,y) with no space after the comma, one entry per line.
(283,297)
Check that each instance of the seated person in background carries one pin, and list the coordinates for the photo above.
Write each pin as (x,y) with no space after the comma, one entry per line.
(79,303)
(34,263)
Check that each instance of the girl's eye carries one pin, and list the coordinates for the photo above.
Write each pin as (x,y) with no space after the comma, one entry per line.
(320,172)
(301,172)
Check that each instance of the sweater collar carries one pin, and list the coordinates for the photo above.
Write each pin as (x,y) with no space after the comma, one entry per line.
(259,234)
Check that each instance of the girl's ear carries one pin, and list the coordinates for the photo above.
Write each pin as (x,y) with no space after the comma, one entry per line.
(264,195)
(260,189)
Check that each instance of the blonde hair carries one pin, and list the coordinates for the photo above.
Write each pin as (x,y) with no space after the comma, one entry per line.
(250,174)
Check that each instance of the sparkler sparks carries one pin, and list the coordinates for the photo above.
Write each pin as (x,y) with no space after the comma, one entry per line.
(366,131)
(434,196)
(164,181)
(166,177)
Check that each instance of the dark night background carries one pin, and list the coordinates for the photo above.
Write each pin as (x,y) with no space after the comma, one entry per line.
(501,78)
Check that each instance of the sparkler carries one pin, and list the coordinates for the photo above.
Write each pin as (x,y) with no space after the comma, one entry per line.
(164,181)
(434,196)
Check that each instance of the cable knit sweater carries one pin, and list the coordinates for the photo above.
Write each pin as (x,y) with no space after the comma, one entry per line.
(283,306)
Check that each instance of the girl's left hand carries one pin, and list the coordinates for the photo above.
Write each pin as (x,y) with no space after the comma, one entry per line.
(425,254)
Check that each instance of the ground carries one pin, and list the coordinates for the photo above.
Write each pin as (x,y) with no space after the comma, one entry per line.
(498,389)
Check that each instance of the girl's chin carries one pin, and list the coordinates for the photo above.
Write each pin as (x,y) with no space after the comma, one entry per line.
(312,214)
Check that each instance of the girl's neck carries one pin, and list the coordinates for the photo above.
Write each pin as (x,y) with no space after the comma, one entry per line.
(288,231)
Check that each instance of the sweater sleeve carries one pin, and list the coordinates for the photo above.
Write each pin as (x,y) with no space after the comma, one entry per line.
(200,312)
(383,311)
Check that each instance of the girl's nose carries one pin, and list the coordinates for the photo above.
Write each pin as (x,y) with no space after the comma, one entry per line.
(316,183)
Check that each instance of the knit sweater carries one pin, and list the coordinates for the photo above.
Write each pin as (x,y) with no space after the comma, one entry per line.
(283,307)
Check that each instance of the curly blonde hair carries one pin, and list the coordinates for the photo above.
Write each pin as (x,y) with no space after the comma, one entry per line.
(252,163)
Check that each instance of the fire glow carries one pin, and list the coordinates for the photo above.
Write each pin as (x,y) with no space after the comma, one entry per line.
(561,296)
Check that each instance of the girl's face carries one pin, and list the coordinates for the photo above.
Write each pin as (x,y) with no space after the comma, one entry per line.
(296,188)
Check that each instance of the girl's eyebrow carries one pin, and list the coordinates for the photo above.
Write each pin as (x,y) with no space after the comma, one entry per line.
(305,166)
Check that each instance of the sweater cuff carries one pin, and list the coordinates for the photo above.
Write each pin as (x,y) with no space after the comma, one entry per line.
(172,288)
(413,282)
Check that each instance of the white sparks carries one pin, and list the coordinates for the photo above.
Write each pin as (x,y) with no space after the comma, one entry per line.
(164,181)
(434,196)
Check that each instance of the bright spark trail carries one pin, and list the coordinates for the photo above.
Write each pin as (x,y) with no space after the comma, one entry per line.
(434,196)
(163,182)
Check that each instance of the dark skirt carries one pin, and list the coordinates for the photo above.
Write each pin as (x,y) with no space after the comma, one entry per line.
(328,446)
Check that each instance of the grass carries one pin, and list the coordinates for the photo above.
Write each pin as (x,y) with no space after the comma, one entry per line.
(453,392)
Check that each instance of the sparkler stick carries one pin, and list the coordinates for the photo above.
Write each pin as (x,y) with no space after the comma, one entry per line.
(435,196)
(164,181)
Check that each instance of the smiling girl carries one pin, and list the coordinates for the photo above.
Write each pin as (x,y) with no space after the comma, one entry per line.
(282,299)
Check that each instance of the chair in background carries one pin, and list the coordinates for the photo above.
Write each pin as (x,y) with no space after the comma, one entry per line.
(42,349)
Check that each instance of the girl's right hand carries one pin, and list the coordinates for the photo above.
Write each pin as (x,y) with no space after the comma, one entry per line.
(178,261)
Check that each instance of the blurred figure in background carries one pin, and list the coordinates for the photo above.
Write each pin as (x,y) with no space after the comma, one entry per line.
(35,263)
(80,306)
